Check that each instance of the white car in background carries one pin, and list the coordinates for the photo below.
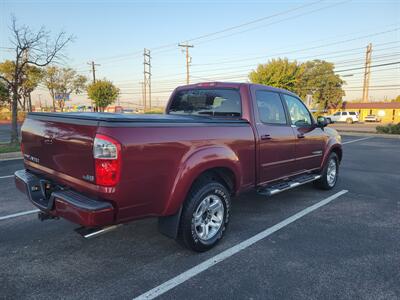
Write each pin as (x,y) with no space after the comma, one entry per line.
(372,118)
(343,116)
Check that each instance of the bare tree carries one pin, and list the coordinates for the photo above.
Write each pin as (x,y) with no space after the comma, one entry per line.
(31,48)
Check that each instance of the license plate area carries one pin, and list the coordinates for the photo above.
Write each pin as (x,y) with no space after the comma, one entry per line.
(38,190)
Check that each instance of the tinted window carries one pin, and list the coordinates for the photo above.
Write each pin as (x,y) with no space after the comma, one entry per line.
(337,114)
(207,102)
(344,113)
(270,107)
(352,113)
(299,114)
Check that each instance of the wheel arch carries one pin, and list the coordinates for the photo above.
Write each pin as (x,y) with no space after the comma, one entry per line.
(218,163)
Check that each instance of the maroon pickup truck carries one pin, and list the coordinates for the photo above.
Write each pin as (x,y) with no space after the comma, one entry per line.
(214,141)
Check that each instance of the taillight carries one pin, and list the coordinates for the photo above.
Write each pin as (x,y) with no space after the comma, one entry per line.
(107,157)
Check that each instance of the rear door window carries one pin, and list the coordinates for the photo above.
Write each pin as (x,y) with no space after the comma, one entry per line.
(207,102)
(352,113)
(344,113)
(270,108)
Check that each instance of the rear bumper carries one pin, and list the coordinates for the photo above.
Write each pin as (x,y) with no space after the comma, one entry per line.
(64,203)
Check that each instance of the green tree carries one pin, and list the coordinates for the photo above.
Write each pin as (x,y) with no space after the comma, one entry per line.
(103,93)
(319,80)
(397,99)
(278,73)
(51,80)
(316,78)
(63,81)
(4,93)
(28,81)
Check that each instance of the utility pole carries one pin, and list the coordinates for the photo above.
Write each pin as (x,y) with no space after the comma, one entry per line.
(94,78)
(146,77)
(93,70)
(188,59)
(142,87)
(367,72)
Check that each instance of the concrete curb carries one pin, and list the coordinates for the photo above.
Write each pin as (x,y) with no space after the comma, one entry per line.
(383,135)
(10,156)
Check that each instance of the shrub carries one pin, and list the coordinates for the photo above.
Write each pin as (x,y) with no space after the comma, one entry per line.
(389,129)
(6,116)
(154,111)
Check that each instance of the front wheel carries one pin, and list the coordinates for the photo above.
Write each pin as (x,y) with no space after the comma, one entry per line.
(329,173)
(205,215)
(349,121)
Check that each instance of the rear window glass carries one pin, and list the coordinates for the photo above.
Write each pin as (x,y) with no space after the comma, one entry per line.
(207,102)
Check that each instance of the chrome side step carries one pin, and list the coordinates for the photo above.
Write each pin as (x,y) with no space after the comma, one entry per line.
(88,233)
(287,185)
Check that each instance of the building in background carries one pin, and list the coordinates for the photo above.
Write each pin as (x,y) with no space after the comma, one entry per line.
(387,112)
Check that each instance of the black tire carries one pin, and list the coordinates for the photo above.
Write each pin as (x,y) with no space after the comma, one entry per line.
(324,183)
(188,234)
(349,121)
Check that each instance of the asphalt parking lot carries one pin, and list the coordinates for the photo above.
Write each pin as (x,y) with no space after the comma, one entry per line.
(348,247)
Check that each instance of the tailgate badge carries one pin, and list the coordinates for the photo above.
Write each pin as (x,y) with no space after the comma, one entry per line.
(88,177)
(31,158)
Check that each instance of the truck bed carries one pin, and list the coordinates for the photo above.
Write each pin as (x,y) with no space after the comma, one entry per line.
(132,118)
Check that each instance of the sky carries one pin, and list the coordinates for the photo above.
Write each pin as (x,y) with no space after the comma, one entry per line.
(229,37)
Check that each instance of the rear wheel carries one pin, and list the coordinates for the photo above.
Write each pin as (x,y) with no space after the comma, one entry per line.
(349,121)
(205,215)
(329,173)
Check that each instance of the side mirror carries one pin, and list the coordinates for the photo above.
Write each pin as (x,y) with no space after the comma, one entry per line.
(322,122)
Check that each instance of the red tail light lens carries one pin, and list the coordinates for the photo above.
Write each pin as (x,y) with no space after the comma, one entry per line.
(107,157)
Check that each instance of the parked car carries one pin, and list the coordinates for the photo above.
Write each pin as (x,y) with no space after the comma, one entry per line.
(372,118)
(343,116)
(215,141)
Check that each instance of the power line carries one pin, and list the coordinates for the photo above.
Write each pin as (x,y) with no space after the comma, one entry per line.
(303,49)
(253,21)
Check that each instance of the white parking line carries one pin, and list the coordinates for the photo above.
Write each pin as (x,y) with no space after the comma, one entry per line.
(19,214)
(7,176)
(357,140)
(12,158)
(170,284)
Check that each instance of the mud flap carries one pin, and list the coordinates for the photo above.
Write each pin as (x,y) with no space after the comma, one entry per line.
(169,225)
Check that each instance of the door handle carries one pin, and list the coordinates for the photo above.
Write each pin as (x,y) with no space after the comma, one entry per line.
(266,137)
(300,135)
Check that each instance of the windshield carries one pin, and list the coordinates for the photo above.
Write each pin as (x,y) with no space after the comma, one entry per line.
(207,102)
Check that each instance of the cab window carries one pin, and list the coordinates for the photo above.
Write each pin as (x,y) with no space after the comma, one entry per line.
(207,102)
(299,114)
(337,114)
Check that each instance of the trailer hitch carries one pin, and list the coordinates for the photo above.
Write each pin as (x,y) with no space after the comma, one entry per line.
(45,216)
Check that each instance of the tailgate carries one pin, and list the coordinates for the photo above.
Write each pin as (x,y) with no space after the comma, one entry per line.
(60,144)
